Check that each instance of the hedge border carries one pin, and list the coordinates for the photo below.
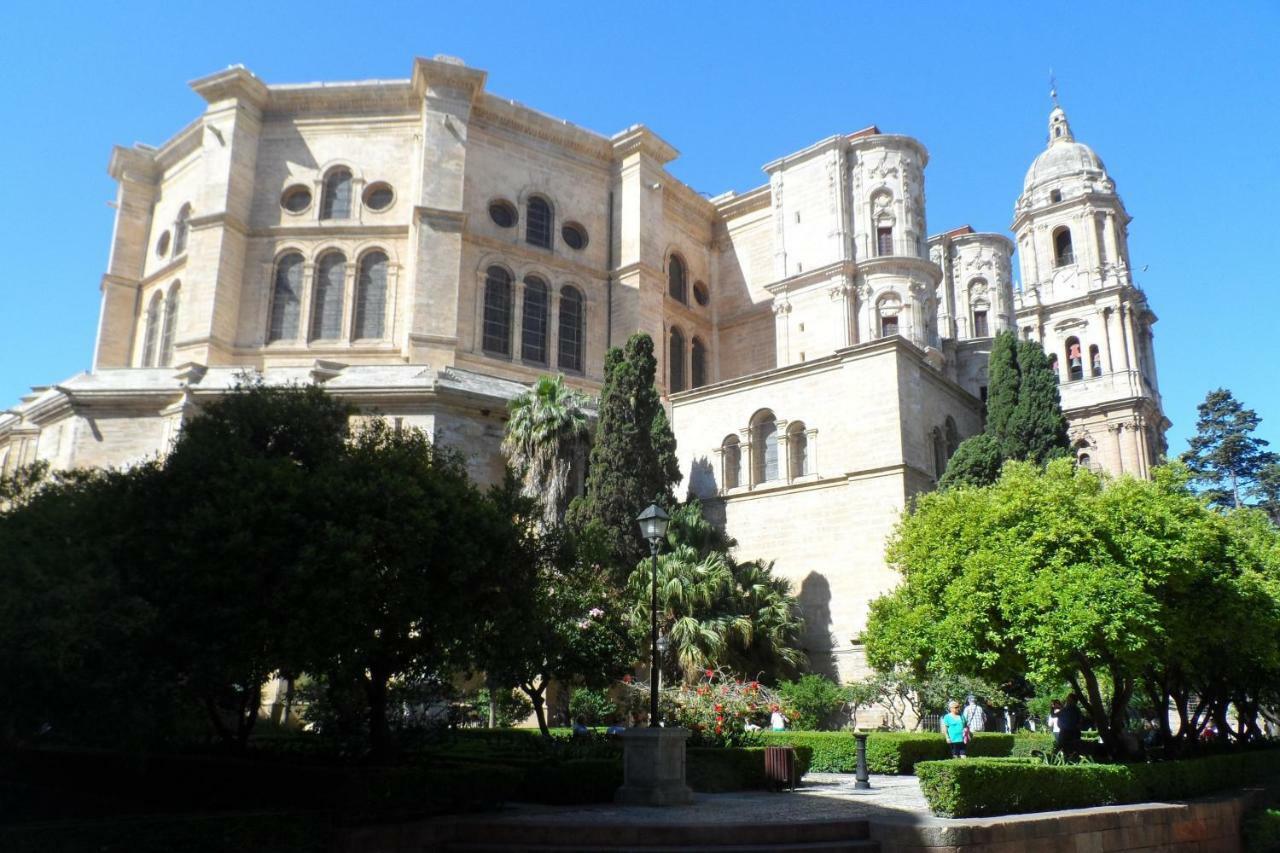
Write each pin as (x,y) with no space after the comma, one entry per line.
(888,753)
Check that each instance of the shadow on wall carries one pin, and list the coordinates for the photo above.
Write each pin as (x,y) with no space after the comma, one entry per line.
(815,601)
(702,479)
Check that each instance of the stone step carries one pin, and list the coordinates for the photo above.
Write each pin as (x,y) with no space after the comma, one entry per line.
(612,835)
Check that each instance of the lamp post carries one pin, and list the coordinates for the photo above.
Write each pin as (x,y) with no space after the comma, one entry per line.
(653,526)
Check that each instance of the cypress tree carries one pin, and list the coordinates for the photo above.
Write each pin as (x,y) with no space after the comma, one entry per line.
(633,461)
(1036,430)
(1003,381)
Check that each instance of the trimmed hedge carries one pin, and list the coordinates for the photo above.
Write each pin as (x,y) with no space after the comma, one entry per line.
(1025,743)
(981,787)
(713,769)
(890,753)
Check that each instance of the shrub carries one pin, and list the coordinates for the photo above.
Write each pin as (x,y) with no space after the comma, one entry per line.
(815,702)
(981,787)
(588,780)
(716,769)
(1025,743)
(594,706)
(892,753)
(1262,831)
(513,707)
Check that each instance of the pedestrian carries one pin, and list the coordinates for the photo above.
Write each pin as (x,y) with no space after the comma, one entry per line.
(1069,723)
(1055,708)
(580,727)
(955,731)
(974,717)
(777,721)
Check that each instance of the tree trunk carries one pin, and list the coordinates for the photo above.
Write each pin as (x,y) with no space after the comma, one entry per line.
(536,695)
(493,703)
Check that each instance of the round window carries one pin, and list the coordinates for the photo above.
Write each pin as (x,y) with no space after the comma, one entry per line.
(503,213)
(162,245)
(575,236)
(700,293)
(296,199)
(379,196)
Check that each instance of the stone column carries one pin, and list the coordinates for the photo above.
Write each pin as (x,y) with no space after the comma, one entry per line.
(138,175)
(654,767)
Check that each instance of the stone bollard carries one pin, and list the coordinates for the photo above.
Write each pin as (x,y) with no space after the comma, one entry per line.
(863,778)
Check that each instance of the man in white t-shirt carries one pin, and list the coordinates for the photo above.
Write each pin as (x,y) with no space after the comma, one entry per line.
(974,717)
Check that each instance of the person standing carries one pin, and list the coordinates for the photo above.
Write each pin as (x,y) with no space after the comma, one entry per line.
(974,717)
(955,731)
(777,721)
(1069,724)
(1055,708)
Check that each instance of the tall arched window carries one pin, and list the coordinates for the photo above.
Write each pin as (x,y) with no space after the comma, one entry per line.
(335,203)
(952,436)
(764,447)
(533,322)
(677,279)
(155,315)
(170,324)
(676,355)
(326,297)
(1095,361)
(538,223)
(572,333)
(1075,360)
(731,454)
(371,296)
(180,228)
(497,311)
(698,363)
(1053,365)
(286,295)
(939,453)
(797,449)
(1062,253)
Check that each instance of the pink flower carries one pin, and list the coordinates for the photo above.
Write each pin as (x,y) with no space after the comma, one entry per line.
(710,673)
(626,679)
(584,624)
(595,613)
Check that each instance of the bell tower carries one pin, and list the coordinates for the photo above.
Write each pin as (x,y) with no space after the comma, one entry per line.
(1079,300)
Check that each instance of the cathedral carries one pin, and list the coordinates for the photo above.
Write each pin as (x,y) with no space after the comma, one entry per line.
(424,249)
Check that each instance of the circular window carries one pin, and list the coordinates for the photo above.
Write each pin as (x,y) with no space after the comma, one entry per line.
(379,196)
(700,293)
(162,245)
(575,236)
(503,213)
(296,199)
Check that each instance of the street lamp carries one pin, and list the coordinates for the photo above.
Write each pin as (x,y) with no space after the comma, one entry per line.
(653,526)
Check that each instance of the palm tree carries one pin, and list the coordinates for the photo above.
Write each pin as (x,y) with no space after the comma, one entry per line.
(714,611)
(546,431)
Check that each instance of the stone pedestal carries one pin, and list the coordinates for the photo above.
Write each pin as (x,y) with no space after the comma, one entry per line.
(653,761)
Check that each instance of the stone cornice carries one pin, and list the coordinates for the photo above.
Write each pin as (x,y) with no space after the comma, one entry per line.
(358,230)
(502,114)
(446,71)
(831,143)
(173,267)
(360,98)
(133,164)
(983,237)
(642,140)
(898,264)
(889,140)
(235,83)
(808,278)
(733,205)
(226,220)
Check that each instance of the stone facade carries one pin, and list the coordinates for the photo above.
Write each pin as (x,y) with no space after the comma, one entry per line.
(425,249)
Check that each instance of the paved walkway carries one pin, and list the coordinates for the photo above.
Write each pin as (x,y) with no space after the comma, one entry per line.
(822,796)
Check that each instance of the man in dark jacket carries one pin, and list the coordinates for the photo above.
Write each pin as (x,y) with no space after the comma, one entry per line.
(1069,722)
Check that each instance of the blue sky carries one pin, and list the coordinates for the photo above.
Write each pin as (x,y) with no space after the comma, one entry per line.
(1179,99)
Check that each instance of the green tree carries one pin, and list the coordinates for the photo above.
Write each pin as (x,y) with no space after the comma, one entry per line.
(1266,491)
(546,431)
(1064,576)
(816,702)
(712,610)
(1224,456)
(1024,416)
(633,461)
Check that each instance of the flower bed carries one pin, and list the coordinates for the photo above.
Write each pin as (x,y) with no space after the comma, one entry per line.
(981,787)
(892,753)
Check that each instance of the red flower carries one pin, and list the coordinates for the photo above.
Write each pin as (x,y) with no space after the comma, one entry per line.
(719,708)
(626,679)
(719,729)
(702,691)
(710,673)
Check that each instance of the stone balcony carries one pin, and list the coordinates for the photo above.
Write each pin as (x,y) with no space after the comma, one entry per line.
(1095,390)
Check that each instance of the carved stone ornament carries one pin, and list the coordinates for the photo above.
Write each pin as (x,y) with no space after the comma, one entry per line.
(782,307)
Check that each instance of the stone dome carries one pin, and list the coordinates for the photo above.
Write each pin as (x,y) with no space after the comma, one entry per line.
(1063,157)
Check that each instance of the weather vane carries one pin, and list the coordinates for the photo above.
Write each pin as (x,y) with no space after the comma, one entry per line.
(1053,87)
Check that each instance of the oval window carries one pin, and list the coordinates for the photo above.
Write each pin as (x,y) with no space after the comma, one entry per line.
(575,236)
(379,196)
(503,213)
(296,199)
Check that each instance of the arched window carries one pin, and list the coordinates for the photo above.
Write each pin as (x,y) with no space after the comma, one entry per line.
(731,454)
(797,449)
(180,228)
(764,447)
(1053,365)
(170,324)
(371,296)
(1084,461)
(335,203)
(155,315)
(1095,361)
(952,436)
(939,453)
(286,299)
(533,323)
(572,333)
(676,355)
(1062,254)
(1075,360)
(538,223)
(497,311)
(677,279)
(698,363)
(326,297)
